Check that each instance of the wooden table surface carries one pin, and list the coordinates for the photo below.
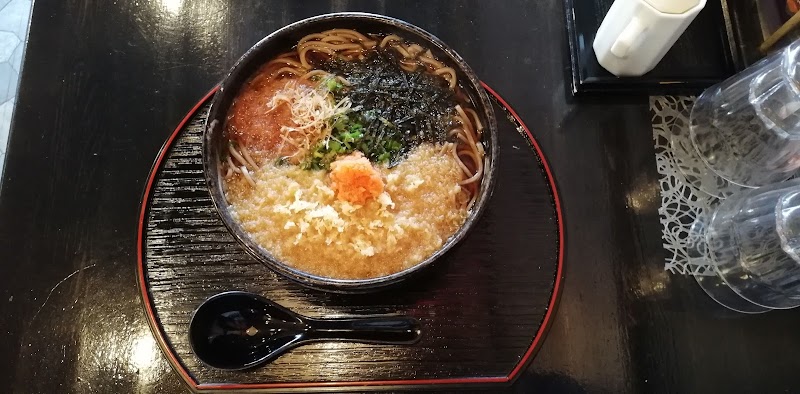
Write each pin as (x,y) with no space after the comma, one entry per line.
(104,83)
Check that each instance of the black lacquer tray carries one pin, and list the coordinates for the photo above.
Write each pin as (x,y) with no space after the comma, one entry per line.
(484,307)
(704,54)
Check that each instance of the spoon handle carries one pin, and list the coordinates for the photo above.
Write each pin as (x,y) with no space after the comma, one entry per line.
(399,330)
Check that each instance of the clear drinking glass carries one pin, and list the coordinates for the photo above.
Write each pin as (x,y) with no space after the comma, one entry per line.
(747,128)
(753,241)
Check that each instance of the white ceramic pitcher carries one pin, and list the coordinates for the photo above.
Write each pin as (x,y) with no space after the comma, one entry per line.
(636,34)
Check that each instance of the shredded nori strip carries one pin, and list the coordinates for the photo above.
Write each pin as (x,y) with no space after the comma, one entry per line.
(394,104)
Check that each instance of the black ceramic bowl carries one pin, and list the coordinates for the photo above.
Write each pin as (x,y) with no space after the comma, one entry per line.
(214,143)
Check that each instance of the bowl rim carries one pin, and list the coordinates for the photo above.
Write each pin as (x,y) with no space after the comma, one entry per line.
(211,170)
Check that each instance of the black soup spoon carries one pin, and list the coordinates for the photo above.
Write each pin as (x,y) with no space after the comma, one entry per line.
(239,330)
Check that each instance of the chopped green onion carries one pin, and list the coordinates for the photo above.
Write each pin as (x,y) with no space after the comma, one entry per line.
(333,85)
(348,135)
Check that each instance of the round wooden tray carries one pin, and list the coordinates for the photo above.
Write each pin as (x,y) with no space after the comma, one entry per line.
(484,307)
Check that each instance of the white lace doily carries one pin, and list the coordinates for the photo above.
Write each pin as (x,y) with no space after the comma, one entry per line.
(682,202)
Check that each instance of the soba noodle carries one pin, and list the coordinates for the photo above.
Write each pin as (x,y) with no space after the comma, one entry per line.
(350,45)
(298,95)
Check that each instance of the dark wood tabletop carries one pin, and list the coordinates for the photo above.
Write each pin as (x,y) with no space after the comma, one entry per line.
(105,83)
